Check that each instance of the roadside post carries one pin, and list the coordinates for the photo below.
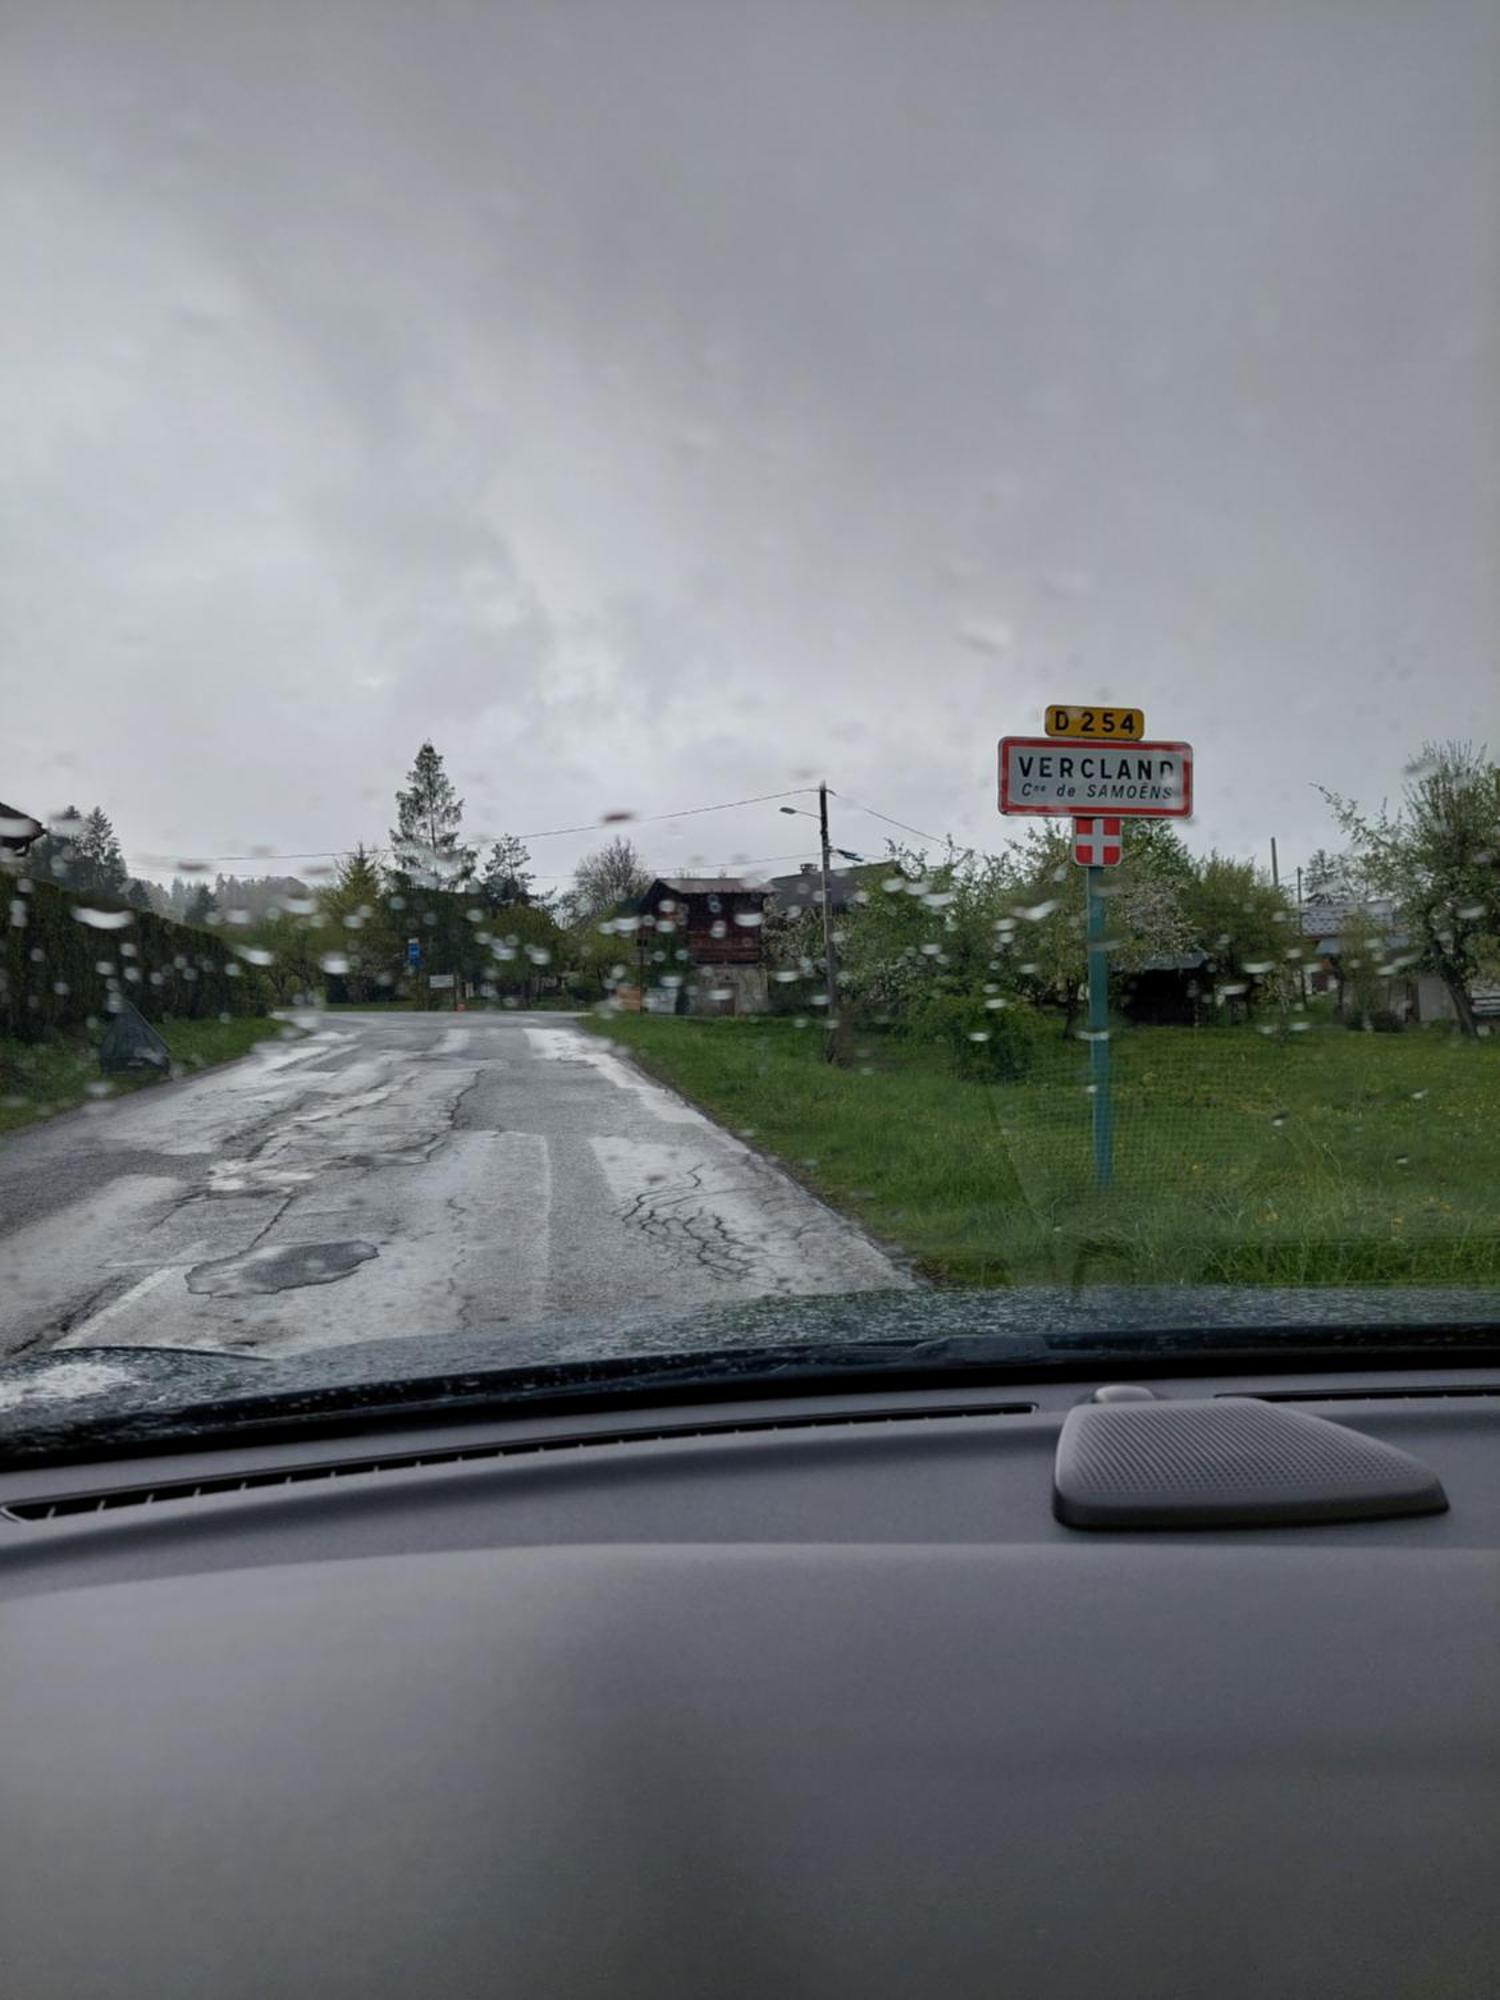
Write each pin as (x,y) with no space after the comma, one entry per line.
(1094,768)
(1098,844)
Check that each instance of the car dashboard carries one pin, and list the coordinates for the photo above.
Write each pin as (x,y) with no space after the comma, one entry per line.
(791,1694)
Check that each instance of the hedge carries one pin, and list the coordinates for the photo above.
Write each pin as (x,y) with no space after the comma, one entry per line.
(65,955)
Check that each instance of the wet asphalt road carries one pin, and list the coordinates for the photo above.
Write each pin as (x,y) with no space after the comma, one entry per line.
(395,1175)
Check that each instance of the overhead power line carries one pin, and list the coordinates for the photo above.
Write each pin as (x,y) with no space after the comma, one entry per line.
(195,862)
(650,819)
(538,833)
(846,800)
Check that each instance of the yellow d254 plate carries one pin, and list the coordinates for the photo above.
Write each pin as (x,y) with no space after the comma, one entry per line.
(1123,725)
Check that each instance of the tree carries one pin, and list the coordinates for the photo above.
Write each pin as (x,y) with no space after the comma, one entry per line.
(432,873)
(357,930)
(200,905)
(1243,923)
(61,854)
(506,880)
(1146,914)
(526,948)
(1006,925)
(290,949)
(83,854)
(251,899)
(1363,965)
(99,850)
(1325,875)
(429,813)
(1438,857)
(612,875)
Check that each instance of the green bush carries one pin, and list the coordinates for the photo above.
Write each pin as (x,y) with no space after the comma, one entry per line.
(58,970)
(983,1044)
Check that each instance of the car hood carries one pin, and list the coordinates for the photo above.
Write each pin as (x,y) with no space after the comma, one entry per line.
(142,1394)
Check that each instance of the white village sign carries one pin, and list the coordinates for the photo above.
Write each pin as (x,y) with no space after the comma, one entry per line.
(1070,778)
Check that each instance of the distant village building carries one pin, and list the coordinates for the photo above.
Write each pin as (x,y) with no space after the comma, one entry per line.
(1170,990)
(720,920)
(804,890)
(18,832)
(1338,919)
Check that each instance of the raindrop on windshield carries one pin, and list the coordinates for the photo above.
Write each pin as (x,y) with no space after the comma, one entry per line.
(987,635)
(104,920)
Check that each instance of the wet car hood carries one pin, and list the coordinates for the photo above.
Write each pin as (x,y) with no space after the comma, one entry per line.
(159,1395)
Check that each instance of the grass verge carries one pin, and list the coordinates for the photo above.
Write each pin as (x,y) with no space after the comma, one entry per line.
(39,1079)
(1325,1158)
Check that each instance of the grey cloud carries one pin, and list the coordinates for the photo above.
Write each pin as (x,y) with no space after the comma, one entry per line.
(658,400)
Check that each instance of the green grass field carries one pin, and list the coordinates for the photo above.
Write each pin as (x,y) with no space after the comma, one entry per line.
(39,1079)
(1326,1158)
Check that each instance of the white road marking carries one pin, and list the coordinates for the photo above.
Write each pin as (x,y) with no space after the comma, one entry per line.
(567,1045)
(52,1265)
(452,1042)
(87,1334)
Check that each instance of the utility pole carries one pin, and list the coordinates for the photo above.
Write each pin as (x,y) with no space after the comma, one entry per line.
(828,957)
(1099,1064)
(1275,871)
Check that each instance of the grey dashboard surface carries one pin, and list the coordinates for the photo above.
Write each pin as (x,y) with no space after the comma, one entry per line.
(838,1710)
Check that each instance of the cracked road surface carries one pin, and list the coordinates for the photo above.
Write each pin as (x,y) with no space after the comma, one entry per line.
(395,1175)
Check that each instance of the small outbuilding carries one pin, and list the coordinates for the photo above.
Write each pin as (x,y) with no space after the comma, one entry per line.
(719,921)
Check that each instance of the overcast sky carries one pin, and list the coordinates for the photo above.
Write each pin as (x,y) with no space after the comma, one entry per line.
(664,403)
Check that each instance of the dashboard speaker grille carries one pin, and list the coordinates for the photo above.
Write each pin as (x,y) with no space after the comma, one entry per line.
(1228,1462)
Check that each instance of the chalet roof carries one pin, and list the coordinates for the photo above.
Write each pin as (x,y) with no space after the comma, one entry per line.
(707,885)
(17,828)
(806,888)
(1175,961)
(1325,917)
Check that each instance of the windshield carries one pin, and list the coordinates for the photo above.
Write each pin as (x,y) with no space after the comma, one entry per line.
(670,660)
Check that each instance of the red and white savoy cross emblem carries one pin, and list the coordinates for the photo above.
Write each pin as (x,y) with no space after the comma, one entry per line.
(1096,843)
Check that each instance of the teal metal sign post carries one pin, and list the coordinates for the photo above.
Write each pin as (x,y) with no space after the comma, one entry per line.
(1104,1133)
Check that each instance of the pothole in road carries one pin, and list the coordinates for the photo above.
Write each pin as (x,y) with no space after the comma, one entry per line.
(281,1267)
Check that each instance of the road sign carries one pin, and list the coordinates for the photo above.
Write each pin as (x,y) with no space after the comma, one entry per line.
(441,980)
(414,951)
(1069,776)
(1096,843)
(1097,724)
